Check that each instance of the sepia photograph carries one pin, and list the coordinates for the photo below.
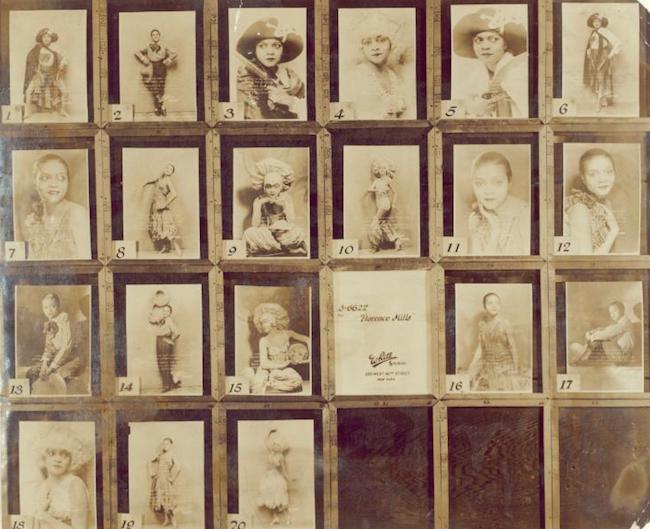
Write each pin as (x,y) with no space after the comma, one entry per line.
(492,198)
(273,349)
(496,468)
(385,454)
(604,467)
(57,474)
(377,62)
(48,64)
(604,335)
(381,333)
(51,207)
(276,473)
(157,64)
(268,61)
(600,58)
(160,201)
(164,338)
(53,338)
(494,336)
(271,201)
(166,473)
(602,198)
(490,60)
(381,199)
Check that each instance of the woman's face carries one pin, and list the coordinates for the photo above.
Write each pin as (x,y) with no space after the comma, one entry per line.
(614,313)
(599,175)
(155,36)
(166,445)
(57,461)
(46,39)
(596,23)
(50,307)
(489,47)
(491,185)
(52,181)
(169,169)
(272,185)
(492,305)
(267,323)
(376,49)
(269,52)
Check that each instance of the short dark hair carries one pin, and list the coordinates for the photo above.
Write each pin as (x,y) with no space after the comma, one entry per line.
(49,157)
(156,30)
(54,297)
(490,294)
(594,153)
(496,158)
(619,306)
(168,439)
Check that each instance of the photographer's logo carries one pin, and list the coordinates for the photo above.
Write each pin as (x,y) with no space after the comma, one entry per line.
(382,358)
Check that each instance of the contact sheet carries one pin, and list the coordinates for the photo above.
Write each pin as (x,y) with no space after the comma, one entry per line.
(324,264)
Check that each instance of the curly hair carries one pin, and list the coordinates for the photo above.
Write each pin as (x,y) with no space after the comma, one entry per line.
(379,164)
(272,165)
(62,438)
(386,25)
(277,311)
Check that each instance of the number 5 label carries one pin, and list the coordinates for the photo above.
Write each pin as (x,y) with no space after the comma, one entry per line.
(344,248)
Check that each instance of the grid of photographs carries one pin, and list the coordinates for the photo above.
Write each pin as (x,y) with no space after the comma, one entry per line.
(324,264)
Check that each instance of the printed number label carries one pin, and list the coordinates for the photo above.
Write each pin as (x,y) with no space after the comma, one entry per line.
(457,383)
(124,250)
(341,111)
(129,521)
(128,386)
(234,249)
(454,246)
(15,251)
(121,113)
(343,248)
(563,108)
(12,113)
(236,521)
(231,111)
(18,521)
(237,386)
(568,383)
(563,246)
(19,387)
(450,109)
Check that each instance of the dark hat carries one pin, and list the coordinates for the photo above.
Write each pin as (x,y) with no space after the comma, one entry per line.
(603,20)
(45,31)
(513,32)
(268,28)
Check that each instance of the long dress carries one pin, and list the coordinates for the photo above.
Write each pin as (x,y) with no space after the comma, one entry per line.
(602,44)
(497,361)
(162,226)
(164,471)
(274,489)
(43,85)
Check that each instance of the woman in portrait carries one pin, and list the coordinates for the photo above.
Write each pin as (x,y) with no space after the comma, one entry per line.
(602,48)
(162,226)
(164,470)
(156,59)
(55,227)
(495,80)
(269,88)
(44,87)
(61,498)
(167,334)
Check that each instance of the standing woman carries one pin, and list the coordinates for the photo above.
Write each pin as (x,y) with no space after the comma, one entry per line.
(156,58)
(494,83)
(164,471)
(162,227)
(602,47)
(44,88)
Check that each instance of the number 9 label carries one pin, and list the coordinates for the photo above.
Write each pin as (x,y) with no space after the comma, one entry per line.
(234,249)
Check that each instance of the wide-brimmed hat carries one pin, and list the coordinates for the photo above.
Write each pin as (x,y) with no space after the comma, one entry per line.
(45,31)
(268,28)
(513,31)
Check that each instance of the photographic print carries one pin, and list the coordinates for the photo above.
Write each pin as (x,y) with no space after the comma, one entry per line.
(381,199)
(57,473)
(166,473)
(268,61)
(381,333)
(51,203)
(157,64)
(376,62)
(600,58)
(496,468)
(385,454)
(47,66)
(164,338)
(275,467)
(52,338)
(604,467)
(270,197)
(604,334)
(492,198)
(490,60)
(160,199)
(273,349)
(602,195)
(494,335)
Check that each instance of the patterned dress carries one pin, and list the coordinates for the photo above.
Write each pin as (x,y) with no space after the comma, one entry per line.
(497,362)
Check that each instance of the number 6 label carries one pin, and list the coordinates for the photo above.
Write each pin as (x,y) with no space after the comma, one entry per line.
(344,248)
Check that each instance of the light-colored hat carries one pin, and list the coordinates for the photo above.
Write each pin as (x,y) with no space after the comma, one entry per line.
(60,437)
(268,166)
(513,31)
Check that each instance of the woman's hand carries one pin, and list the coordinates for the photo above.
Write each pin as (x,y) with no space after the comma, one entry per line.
(477,106)
(279,96)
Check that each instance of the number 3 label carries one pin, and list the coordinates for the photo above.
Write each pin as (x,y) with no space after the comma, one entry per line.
(231,111)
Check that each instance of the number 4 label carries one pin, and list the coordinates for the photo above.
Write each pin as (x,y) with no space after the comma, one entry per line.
(341,111)
(238,521)
(343,248)
(18,521)
(237,386)
(129,521)
(457,383)
(568,382)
